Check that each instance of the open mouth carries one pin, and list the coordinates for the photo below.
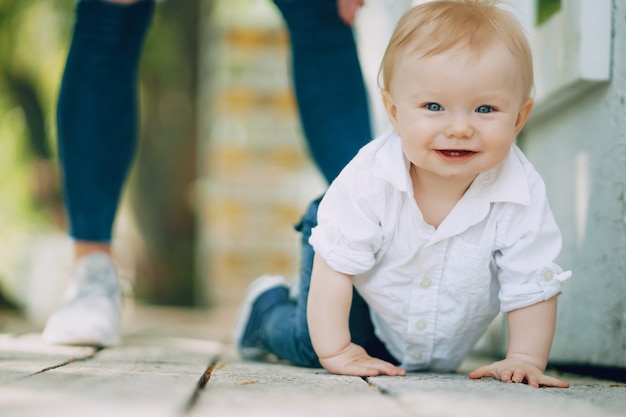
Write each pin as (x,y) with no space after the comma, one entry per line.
(455,153)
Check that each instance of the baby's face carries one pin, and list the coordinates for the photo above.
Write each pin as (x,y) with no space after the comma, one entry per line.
(457,112)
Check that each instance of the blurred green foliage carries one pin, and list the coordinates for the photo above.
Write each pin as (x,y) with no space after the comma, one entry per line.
(34,39)
(34,36)
(546,8)
(33,42)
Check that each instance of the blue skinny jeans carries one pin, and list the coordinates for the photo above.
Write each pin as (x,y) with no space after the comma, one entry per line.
(328,83)
(97,105)
(97,112)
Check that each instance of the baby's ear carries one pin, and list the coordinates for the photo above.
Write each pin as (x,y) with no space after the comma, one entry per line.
(523,114)
(390,108)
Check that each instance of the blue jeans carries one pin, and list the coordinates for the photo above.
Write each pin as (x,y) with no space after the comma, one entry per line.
(328,83)
(97,112)
(284,329)
(97,107)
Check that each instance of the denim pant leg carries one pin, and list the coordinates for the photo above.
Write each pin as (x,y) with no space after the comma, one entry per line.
(97,112)
(328,83)
(285,331)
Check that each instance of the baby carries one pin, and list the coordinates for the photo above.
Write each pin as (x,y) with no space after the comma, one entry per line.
(434,227)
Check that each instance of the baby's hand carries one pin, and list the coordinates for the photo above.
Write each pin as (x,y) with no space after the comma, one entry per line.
(517,370)
(354,360)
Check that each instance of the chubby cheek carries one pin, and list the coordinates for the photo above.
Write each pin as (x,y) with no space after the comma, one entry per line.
(415,148)
(415,127)
(498,137)
(504,141)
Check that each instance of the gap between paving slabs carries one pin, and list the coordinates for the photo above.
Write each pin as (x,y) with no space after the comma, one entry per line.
(377,387)
(202,382)
(216,364)
(26,346)
(62,364)
(427,394)
(92,356)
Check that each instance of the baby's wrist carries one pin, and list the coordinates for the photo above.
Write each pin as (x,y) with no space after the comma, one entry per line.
(530,359)
(330,353)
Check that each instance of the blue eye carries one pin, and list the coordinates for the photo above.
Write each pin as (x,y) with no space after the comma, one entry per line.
(433,107)
(484,109)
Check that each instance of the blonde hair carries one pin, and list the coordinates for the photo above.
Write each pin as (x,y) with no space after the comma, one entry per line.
(437,26)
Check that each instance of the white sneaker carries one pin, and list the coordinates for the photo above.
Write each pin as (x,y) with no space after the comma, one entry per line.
(91,311)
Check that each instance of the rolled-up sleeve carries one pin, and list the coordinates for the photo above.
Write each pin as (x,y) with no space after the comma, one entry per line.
(348,234)
(531,289)
(526,269)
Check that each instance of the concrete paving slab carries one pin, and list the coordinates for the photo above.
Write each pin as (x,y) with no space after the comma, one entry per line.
(252,389)
(24,355)
(451,395)
(165,369)
(142,377)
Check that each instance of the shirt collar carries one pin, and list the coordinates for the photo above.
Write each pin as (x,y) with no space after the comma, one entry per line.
(506,183)
(390,163)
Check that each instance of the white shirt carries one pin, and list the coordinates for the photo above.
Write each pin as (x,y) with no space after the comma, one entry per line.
(433,292)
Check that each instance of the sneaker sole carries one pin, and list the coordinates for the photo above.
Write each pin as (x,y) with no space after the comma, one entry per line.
(82,338)
(70,341)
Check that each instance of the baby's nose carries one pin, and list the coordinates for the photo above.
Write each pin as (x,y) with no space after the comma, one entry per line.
(459,128)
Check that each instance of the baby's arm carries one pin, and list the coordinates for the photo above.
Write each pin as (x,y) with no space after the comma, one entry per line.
(328,310)
(531,330)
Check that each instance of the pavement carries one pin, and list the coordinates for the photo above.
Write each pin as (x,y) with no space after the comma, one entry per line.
(180,363)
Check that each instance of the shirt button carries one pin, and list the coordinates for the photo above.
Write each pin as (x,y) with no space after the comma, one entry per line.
(417,356)
(548,276)
(420,325)
(426,283)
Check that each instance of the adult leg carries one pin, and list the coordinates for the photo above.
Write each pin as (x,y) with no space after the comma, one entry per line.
(97,114)
(328,83)
(97,123)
